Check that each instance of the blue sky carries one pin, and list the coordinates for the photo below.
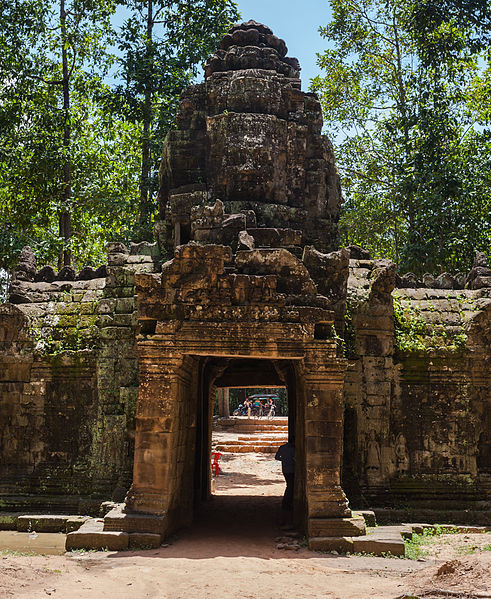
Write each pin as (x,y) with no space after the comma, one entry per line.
(295,22)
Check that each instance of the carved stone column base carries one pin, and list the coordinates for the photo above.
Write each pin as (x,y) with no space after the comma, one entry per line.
(145,501)
(336,527)
(119,521)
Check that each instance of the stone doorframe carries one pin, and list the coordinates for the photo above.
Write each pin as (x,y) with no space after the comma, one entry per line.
(167,412)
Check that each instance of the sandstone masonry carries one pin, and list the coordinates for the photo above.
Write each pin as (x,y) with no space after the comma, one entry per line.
(108,377)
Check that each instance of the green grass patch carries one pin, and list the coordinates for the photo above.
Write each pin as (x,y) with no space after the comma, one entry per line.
(417,546)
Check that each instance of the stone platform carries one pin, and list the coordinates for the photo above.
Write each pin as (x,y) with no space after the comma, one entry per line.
(240,434)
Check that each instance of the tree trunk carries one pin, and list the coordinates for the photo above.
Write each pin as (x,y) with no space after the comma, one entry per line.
(64,221)
(223,402)
(145,192)
(226,402)
(408,200)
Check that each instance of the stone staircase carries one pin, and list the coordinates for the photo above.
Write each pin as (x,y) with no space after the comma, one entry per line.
(250,435)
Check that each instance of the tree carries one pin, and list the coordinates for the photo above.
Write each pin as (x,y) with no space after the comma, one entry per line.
(61,51)
(161,45)
(73,156)
(405,133)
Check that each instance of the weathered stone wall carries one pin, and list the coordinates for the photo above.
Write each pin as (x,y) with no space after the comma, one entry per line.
(206,311)
(68,384)
(417,393)
(249,202)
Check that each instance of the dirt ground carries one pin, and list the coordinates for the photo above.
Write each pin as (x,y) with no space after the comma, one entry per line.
(231,551)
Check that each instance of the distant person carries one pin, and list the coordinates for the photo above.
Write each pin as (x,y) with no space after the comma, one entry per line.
(247,404)
(286,455)
(258,407)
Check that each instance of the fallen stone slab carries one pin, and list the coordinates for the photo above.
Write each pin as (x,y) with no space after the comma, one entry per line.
(143,540)
(464,529)
(368,516)
(102,541)
(75,522)
(419,528)
(339,544)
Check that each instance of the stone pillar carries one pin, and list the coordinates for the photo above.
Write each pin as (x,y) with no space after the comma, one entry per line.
(157,431)
(328,514)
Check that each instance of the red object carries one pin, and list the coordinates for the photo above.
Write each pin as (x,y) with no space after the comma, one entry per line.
(215,459)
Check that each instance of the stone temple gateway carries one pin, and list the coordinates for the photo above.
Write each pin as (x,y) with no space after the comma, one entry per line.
(108,377)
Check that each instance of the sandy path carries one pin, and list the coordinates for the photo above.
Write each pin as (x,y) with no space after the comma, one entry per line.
(211,569)
(229,552)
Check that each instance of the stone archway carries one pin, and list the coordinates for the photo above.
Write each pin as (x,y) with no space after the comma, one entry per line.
(182,358)
(254,190)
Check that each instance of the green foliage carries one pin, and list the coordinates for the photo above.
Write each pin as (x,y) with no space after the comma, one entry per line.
(161,45)
(51,120)
(60,333)
(419,545)
(409,327)
(414,334)
(349,333)
(99,127)
(406,100)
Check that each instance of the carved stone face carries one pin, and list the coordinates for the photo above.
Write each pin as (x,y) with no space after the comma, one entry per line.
(251,138)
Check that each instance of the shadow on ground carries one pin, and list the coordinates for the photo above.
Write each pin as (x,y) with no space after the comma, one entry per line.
(246,480)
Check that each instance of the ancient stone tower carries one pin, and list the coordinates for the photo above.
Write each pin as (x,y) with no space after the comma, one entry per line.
(108,377)
(249,197)
(249,137)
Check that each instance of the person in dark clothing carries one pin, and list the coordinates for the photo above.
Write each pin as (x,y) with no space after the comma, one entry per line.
(286,455)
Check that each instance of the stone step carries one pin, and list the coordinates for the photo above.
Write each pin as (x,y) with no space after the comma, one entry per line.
(270,442)
(246,448)
(364,544)
(393,545)
(382,540)
(251,428)
(272,437)
(251,425)
(49,522)
(92,536)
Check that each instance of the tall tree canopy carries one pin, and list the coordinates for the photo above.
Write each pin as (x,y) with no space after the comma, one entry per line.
(47,84)
(161,45)
(84,108)
(404,97)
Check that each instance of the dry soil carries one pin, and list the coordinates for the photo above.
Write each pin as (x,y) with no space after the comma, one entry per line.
(232,551)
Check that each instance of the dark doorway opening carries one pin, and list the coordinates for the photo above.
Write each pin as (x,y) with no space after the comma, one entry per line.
(255,485)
